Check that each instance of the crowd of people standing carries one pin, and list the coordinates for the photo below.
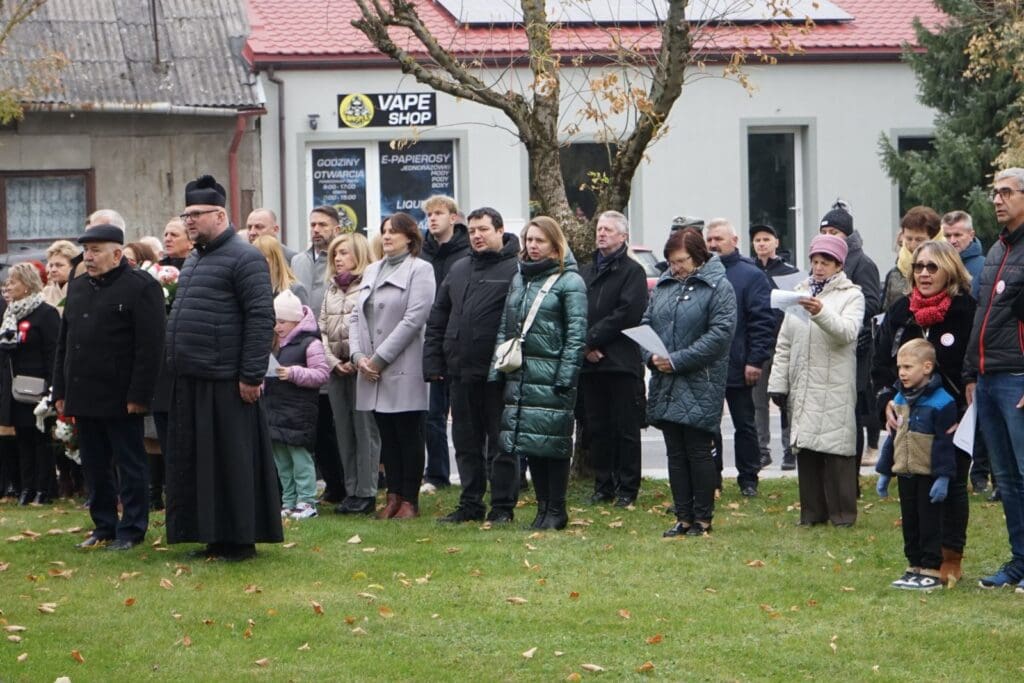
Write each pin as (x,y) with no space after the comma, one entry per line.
(346,359)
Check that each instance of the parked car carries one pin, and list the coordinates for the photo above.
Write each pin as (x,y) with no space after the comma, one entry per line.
(19,254)
(646,258)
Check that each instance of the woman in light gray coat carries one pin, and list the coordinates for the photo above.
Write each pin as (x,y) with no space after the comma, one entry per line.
(693,311)
(386,342)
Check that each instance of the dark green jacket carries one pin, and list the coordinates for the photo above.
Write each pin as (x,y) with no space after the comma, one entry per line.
(541,395)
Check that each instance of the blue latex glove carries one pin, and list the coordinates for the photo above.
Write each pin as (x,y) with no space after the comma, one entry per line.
(939,489)
(883,485)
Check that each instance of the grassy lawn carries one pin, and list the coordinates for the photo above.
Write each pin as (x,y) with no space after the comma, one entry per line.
(759,600)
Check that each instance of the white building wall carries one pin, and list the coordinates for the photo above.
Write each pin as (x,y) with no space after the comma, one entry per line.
(699,169)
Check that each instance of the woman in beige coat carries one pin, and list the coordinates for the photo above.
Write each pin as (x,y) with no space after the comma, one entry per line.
(814,372)
(358,439)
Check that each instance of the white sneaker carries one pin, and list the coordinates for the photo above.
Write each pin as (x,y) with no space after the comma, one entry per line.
(285,511)
(428,489)
(304,511)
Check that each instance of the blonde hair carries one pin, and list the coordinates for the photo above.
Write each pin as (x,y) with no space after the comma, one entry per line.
(440,200)
(947,258)
(376,249)
(62,248)
(360,249)
(920,350)
(28,275)
(553,233)
(281,275)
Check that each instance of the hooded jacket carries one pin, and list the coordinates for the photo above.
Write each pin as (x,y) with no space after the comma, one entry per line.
(815,365)
(540,397)
(755,322)
(443,256)
(291,405)
(973,258)
(616,300)
(695,318)
(464,320)
(863,272)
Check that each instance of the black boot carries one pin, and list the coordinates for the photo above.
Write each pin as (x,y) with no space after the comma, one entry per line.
(542,514)
(156,498)
(26,497)
(558,483)
(557,517)
(539,472)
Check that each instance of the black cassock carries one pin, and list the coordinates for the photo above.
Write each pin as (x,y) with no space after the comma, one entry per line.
(221,478)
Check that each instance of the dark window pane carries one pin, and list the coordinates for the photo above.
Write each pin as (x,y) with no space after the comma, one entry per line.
(771,183)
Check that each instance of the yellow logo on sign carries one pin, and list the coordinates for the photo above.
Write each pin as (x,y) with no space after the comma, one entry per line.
(356,110)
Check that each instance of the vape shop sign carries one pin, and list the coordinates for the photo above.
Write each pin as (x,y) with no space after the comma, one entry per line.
(387,110)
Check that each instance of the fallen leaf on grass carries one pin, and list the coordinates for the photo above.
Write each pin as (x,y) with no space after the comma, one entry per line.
(516,600)
(252,588)
(158,542)
(832,644)
(581,522)
(247,634)
(369,550)
(73,530)
(264,662)
(709,589)
(47,607)
(54,532)
(14,628)
(317,607)
(4,566)
(733,506)
(14,639)
(530,653)
(624,613)
(28,533)
(208,622)
(646,667)
(304,647)
(350,620)
(15,539)
(290,545)
(128,575)
(166,584)
(655,639)
(452,550)
(22,657)
(847,589)
(530,546)
(355,540)
(186,640)
(617,524)
(366,596)
(386,612)
(77,656)
(559,653)
(592,668)
(757,564)
(574,595)
(535,535)
(60,573)
(358,631)
(423,580)
(475,572)
(574,676)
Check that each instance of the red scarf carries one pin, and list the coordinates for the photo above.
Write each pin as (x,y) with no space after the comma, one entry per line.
(930,310)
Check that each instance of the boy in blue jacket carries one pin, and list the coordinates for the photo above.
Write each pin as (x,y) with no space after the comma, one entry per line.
(920,453)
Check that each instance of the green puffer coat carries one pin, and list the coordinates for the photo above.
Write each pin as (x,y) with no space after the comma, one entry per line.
(541,395)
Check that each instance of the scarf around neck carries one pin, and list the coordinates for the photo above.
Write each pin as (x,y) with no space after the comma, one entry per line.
(816,286)
(16,310)
(344,279)
(929,310)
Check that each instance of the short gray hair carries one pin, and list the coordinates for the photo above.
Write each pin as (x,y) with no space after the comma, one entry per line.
(958,216)
(722,223)
(106,216)
(1014,172)
(619,219)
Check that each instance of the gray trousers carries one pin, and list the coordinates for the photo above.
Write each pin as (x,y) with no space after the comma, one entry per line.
(358,438)
(761,406)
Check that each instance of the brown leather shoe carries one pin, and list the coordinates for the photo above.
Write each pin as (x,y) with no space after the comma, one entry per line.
(407,511)
(950,568)
(391,507)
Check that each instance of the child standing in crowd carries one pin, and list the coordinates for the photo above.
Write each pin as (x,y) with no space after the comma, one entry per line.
(290,397)
(920,453)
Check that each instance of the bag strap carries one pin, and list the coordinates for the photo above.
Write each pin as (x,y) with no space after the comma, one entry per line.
(545,288)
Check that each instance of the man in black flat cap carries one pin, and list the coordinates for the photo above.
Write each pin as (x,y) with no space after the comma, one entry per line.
(221,480)
(108,353)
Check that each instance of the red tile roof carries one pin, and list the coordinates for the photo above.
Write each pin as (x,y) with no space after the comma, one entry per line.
(321,31)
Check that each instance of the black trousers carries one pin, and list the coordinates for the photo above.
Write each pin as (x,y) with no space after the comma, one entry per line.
(550,479)
(403,451)
(747,453)
(10,476)
(956,509)
(36,461)
(116,443)
(613,420)
(156,462)
(922,522)
(691,471)
(476,421)
(325,453)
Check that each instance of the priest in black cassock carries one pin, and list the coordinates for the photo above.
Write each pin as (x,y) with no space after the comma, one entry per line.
(221,480)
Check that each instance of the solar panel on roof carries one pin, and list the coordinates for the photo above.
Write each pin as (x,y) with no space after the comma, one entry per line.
(617,12)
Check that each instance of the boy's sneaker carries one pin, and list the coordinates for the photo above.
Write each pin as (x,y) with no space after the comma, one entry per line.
(905,580)
(1006,576)
(922,582)
(304,511)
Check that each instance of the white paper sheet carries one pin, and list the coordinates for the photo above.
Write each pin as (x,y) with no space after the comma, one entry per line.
(963,438)
(272,366)
(645,336)
(782,299)
(789,281)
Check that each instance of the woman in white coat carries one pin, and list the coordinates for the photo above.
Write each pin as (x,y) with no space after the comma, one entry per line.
(814,372)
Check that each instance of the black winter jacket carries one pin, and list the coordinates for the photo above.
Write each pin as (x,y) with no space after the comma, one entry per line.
(776,267)
(754,338)
(616,300)
(949,338)
(997,341)
(443,256)
(464,320)
(33,357)
(222,322)
(292,409)
(110,343)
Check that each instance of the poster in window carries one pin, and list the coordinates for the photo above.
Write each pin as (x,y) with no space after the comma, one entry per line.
(411,174)
(339,180)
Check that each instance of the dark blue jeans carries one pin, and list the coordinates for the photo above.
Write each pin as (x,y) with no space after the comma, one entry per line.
(438,462)
(747,453)
(1002,423)
(116,443)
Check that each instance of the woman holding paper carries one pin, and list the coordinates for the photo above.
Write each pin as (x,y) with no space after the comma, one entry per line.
(814,372)
(939,309)
(693,312)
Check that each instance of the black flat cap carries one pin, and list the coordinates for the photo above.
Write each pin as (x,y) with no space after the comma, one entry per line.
(103,233)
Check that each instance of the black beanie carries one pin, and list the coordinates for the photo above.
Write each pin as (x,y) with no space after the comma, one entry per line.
(840,219)
(205,190)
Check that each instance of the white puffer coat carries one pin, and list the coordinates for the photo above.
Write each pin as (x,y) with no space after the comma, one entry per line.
(815,364)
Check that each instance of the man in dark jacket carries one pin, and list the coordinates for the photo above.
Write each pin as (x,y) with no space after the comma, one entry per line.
(863,272)
(446,242)
(765,240)
(995,360)
(613,367)
(458,348)
(751,347)
(221,479)
(108,356)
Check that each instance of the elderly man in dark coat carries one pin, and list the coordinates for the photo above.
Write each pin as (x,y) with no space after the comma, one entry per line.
(221,480)
(108,356)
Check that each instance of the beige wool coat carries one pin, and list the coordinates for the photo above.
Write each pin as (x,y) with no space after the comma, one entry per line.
(816,366)
(334,321)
